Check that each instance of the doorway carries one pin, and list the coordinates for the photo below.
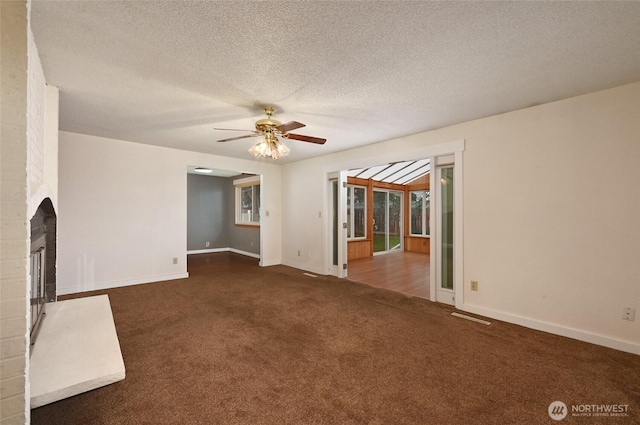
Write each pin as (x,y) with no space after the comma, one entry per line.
(387,221)
(223,212)
(442,243)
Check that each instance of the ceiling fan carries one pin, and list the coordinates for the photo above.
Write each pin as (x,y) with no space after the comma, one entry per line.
(270,129)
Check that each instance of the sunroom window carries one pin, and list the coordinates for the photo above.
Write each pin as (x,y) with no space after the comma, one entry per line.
(356,212)
(420,201)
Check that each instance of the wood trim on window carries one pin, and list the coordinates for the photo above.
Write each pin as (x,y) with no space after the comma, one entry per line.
(413,243)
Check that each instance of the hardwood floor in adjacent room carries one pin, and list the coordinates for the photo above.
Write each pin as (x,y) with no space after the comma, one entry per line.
(405,272)
(218,262)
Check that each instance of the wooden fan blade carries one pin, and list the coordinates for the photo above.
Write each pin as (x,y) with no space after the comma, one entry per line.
(288,126)
(239,137)
(307,139)
(230,129)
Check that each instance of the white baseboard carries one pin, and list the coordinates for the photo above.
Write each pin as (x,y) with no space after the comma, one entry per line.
(248,254)
(580,335)
(304,267)
(207,251)
(116,284)
(267,263)
(237,251)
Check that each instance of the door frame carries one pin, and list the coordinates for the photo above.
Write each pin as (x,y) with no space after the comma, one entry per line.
(455,297)
(340,178)
(386,223)
(426,150)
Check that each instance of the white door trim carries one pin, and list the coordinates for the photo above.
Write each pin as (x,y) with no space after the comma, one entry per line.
(458,231)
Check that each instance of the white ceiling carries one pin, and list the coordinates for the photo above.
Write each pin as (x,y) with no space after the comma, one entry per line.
(356,73)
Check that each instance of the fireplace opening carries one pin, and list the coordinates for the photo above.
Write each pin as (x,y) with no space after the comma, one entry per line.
(42,264)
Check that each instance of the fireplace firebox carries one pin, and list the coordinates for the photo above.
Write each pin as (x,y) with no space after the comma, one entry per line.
(42,264)
(38,280)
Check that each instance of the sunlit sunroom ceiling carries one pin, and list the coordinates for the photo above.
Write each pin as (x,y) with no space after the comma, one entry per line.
(403,172)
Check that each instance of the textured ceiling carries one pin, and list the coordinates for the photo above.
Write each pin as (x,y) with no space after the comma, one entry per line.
(167,73)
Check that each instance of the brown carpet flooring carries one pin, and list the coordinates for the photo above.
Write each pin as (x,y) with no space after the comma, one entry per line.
(240,344)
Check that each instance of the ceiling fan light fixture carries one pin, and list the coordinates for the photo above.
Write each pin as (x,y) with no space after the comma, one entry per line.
(271,131)
(269,147)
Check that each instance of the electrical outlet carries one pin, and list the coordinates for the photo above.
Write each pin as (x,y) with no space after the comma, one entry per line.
(175,260)
(298,253)
(251,243)
(474,285)
(629,313)
(206,244)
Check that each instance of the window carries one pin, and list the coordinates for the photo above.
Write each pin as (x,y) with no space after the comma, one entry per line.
(420,202)
(248,201)
(356,212)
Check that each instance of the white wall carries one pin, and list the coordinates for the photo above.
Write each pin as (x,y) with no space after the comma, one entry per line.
(28,176)
(551,211)
(42,134)
(51,122)
(123,211)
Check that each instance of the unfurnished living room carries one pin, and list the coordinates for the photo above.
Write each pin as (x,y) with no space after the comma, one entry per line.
(329,212)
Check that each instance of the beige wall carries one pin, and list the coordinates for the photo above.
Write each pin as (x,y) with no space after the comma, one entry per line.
(550,212)
(13,214)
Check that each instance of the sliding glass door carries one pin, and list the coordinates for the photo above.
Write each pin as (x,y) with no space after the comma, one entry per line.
(387,221)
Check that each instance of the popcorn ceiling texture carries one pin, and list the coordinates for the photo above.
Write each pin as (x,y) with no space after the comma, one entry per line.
(356,73)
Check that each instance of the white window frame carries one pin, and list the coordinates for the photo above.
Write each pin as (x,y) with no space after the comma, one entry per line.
(350,195)
(254,183)
(426,231)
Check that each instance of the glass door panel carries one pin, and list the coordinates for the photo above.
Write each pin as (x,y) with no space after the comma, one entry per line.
(379,221)
(334,223)
(387,221)
(336,226)
(446,264)
(394,233)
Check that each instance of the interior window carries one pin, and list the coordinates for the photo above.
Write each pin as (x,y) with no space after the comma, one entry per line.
(420,202)
(356,212)
(248,202)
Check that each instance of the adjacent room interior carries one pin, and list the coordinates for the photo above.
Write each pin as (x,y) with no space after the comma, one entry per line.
(388,209)
(223,211)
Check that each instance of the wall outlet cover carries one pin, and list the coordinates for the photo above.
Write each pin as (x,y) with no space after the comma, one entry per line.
(629,313)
